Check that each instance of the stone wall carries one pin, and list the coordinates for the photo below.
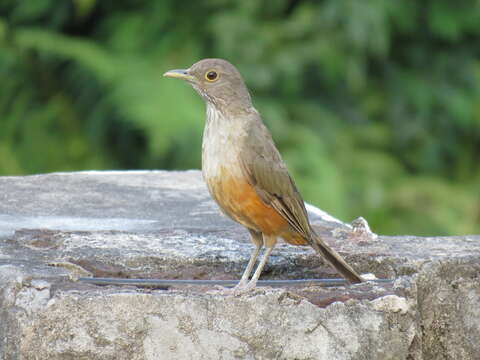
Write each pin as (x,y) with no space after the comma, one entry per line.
(55,228)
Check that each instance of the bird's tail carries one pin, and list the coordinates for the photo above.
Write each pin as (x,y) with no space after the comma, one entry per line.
(335,259)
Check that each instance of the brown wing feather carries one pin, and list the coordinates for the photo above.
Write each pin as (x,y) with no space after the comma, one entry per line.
(267,173)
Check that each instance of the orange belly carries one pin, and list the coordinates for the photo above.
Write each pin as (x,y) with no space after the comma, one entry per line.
(240,201)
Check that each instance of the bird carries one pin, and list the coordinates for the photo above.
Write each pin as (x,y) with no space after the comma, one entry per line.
(245,173)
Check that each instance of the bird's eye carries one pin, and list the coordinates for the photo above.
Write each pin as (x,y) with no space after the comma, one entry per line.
(211,75)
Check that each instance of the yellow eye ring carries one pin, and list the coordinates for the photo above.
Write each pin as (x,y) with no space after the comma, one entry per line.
(211,76)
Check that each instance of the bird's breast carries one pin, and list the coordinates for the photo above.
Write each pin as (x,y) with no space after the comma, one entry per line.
(221,169)
(221,146)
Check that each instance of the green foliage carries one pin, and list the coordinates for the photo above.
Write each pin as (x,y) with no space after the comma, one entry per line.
(374,104)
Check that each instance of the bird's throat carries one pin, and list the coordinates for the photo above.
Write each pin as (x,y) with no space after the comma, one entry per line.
(220,145)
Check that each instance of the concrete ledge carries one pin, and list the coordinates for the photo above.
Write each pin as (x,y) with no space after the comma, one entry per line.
(56,227)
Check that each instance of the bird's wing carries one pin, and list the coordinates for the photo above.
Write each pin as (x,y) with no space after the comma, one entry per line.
(265,170)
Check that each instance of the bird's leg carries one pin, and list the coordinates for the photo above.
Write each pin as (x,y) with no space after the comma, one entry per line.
(269,242)
(249,268)
(253,282)
(257,239)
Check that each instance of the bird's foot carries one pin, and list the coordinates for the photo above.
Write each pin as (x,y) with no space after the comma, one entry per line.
(241,288)
(244,287)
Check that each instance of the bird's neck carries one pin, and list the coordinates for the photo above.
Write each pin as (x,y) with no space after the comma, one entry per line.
(215,117)
(224,129)
(228,112)
(224,139)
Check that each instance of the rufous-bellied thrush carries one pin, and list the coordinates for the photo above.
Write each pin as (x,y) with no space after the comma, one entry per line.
(244,171)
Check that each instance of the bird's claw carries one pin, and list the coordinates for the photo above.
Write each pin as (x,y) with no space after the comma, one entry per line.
(243,287)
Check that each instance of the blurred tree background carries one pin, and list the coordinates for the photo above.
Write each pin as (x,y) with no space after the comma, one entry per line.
(374,104)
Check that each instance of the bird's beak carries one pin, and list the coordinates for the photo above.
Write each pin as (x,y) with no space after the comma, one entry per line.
(179,74)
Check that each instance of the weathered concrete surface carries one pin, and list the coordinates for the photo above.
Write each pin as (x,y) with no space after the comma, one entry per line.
(164,225)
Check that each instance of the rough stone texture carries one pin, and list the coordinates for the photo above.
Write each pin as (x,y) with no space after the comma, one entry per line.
(54,228)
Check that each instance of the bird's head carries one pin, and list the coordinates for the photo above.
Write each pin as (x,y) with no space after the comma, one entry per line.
(217,81)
